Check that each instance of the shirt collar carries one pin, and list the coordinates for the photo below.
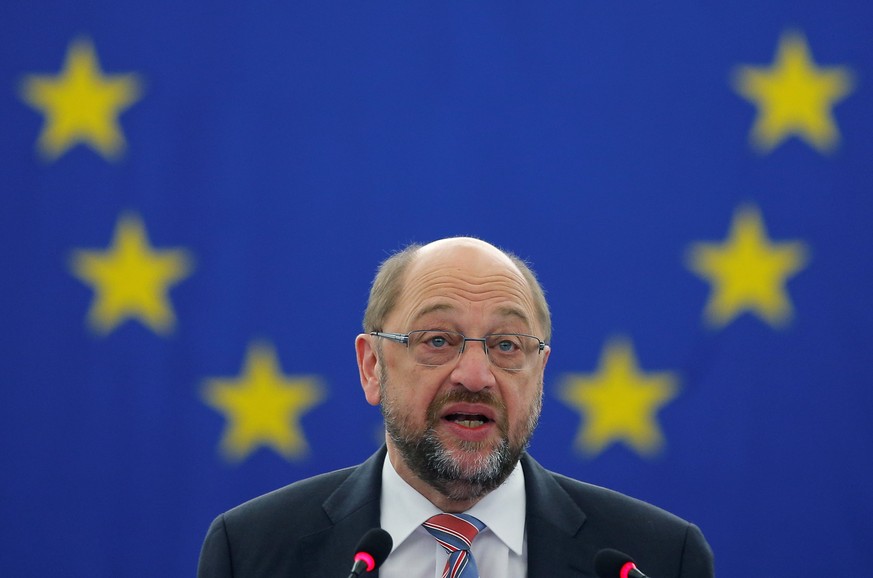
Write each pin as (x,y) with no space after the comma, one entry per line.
(502,510)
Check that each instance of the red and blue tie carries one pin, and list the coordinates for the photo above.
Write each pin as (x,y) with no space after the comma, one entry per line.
(455,533)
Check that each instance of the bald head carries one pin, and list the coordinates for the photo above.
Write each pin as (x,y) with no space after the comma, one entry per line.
(456,251)
(442,257)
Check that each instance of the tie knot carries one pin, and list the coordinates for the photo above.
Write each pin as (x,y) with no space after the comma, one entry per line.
(454,531)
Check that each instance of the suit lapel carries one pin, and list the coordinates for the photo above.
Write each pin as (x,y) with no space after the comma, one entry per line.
(554,522)
(353,508)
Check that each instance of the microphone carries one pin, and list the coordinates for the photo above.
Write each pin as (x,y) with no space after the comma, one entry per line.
(371,551)
(611,563)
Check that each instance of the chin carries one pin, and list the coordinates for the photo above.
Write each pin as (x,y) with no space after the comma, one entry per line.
(484,464)
(473,467)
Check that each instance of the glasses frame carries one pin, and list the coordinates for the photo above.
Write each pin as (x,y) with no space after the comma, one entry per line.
(403,338)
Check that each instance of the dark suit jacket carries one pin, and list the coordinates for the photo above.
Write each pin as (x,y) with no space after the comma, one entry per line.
(311,528)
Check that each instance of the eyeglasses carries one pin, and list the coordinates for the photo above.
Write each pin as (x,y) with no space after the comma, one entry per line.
(510,351)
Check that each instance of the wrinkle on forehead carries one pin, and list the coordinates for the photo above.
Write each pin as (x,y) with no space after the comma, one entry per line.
(474,290)
(455,274)
(501,311)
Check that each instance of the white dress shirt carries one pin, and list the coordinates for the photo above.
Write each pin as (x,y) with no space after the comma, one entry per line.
(500,550)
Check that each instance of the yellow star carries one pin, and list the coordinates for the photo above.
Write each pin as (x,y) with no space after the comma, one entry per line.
(81,105)
(130,280)
(794,97)
(263,407)
(747,272)
(619,402)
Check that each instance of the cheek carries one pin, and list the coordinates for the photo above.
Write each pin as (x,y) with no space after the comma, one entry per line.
(412,390)
(521,399)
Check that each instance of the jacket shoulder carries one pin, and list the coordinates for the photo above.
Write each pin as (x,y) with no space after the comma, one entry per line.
(661,542)
(263,536)
(301,500)
(600,502)
(298,528)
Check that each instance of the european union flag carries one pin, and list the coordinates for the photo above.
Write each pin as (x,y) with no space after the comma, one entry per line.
(195,197)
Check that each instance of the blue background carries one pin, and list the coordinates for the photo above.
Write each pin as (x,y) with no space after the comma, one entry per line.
(291,146)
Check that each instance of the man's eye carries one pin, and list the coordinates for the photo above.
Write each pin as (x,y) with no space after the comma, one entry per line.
(506,345)
(438,341)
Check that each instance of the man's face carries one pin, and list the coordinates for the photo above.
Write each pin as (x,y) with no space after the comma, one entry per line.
(460,427)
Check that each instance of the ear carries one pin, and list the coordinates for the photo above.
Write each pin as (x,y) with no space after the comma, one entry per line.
(546,353)
(368,368)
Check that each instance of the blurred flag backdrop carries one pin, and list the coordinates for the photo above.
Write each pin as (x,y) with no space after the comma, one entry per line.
(195,197)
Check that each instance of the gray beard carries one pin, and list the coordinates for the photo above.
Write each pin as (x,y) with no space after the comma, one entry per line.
(431,461)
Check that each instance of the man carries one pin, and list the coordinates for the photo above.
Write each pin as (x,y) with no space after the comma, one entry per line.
(454,350)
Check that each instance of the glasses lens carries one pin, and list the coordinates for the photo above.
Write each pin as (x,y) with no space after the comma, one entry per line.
(435,347)
(512,351)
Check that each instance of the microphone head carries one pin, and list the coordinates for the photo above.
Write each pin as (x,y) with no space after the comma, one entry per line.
(376,544)
(609,563)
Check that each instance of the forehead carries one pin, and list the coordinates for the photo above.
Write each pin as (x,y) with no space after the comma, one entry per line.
(464,278)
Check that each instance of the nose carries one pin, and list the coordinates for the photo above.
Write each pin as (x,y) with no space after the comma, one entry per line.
(473,369)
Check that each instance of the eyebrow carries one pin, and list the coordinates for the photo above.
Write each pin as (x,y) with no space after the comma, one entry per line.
(433,309)
(511,311)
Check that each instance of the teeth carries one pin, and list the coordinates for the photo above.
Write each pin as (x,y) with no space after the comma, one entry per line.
(470,422)
(467,420)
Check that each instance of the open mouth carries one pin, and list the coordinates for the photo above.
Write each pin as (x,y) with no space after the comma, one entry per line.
(470,420)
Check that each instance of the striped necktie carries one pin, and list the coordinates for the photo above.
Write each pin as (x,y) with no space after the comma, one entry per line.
(455,533)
